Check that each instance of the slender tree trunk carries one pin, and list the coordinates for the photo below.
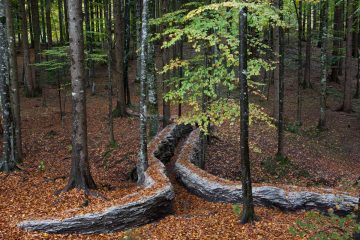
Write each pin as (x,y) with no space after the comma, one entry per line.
(80,176)
(143,160)
(151,79)
(314,17)
(279,86)
(165,58)
(107,7)
(138,38)
(347,102)
(30,23)
(337,43)
(307,74)
(37,45)
(300,63)
(127,52)
(66,21)
(248,214)
(14,88)
(61,22)
(322,120)
(7,163)
(89,41)
(119,55)
(28,80)
(48,23)
(43,27)
(321,27)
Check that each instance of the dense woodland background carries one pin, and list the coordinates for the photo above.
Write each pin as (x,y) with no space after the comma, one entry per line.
(274,87)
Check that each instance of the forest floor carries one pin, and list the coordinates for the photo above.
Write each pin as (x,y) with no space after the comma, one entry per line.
(317,159)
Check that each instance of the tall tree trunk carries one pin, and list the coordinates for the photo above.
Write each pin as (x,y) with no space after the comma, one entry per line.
(30,23)
(80,176)
(37,44)
(138,38)
(119,56)
(61,22)
(107,7)
(127,52)
(321,27)
(307,74)
(48,23)
(314,17)
(300,62)
(66,21)
(322,120)
(7,163)
(279,85)
(143,160)
(14,87)
(43,27)
(28,80)
(151,78)
(337,43)
(248,214)
(347,101)
(89,41)
(165,59)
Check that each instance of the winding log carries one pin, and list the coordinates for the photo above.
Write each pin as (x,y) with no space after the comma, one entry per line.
(144,209)
(216,189)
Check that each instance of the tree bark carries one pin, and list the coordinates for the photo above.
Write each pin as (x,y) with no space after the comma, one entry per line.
(347,101)
(37,43)
(107,7)
(48,23)
(248,212)
(7,163)
(119,56)
(337,43)
(300,62)
(307,73)
(151,78)
(80,176)
(143,159)
(14,87)
(61,22)
(28,80)
(323,58)
(165,59)
(127,52)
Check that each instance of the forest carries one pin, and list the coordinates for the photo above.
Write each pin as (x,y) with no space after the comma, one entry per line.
(180,119)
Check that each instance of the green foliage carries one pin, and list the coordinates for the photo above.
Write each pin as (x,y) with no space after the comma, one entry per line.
(41,166)
(280,167)
(293,128)
(236,209)
(212,32)
(316,226)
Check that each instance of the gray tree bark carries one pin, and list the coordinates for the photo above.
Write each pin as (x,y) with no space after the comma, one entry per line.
(80,176)
(7,163)
(323,59)
(37,44)
(28,80)
(14,88)
(143,159)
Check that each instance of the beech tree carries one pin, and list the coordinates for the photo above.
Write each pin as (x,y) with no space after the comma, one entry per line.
(248,214)
(80,175)
(143,159)
(7,163)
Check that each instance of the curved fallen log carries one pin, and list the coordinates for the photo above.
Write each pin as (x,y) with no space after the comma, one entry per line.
(147,205)
(217,189)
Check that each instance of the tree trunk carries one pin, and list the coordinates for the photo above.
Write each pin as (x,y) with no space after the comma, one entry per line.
(37,45)
(28,80)
(151,79)
(66,21)
(61,22)
(43,27)
(347,101)
(48,23)
(7,163)
(322,120)
(138,38)
(119,56)
(165,59)
(89,41)
(127,52)
(337,43)
(30,24)
(307,74)
(14,87)
(107,7)
(300,63)
(321,27)
(279,86)
(248,213)
(143,160)
(80,176)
